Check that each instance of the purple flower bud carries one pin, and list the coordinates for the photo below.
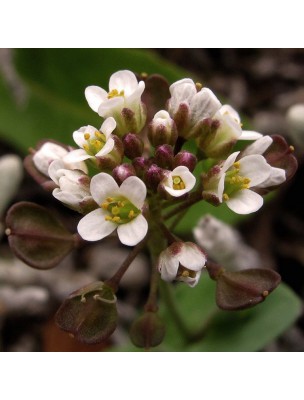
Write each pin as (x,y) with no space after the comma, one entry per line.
(133,145)
(162,129)
(153,176)
(141,164)
(122,172)
(186,159)
(164,156)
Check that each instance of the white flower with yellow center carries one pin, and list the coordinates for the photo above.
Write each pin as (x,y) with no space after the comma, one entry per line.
(73,186)
(93,142)
(181,261)
(179,181)
(49,152)
(119,208)
(237,178)
(124,93)
(277,175)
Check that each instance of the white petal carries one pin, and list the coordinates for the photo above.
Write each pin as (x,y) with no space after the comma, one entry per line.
(182,82)
(66,197)
(133,232)
(78,136)
(190,281)
(46,154)
(277,176)
(108,126)
(245,202)
(255,168)
(93,226)
(250,135)
(95,95)
(221,186)
(204,104)
(123,80)
(134,190)
(107,148)
(191,257)
(230,160)
(103,186)
(176,192)
(227,109)
(168,266)
(76,156)
(54,169)
(258,147)
(111,106)
(135,97)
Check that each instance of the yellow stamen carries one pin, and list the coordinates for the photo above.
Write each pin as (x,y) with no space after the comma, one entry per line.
(109,199)
(185,273)
(116,219)
(108,218)
(236,164)
(198,86)
(131,214)
(225,197)
(115,93)
(87,136)
(291,148)
(178,183)
(105,205)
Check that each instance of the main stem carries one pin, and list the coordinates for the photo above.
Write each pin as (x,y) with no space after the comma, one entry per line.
(116,278)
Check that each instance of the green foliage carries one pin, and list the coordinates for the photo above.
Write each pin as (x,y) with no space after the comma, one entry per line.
(248,330)
(55,80)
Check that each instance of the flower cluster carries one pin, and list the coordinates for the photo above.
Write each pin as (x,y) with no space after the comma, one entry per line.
(136,172)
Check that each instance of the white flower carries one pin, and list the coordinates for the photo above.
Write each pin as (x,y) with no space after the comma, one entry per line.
(199,104)
(179,181)
(230,125)
(224,244)
(49,152)
(277,175)
(181,261)
(92,142)
(120,207)
(238,178)
(73,186)
(124,92)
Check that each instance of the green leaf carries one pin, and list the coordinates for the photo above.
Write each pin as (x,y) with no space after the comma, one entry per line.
(56,79)
(248,330)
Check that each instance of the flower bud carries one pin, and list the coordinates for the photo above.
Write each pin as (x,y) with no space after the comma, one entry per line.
(186,159)
(164,156)
(122,172)
(89,313)
(133,145)
(141,164)
(153,176)
(162,129)
(147,331)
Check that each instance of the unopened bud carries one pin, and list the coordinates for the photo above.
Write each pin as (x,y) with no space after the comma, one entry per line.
(153,176)
(186,159)
(132,120)
(147,331)
(141,164)
(133,145)
(162,129)
(122,172)
(164,156)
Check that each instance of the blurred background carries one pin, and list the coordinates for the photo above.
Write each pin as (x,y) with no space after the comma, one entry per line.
(42,96)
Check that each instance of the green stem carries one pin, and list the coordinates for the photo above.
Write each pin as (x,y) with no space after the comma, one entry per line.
(194,198)
(177,220)
(169,300)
